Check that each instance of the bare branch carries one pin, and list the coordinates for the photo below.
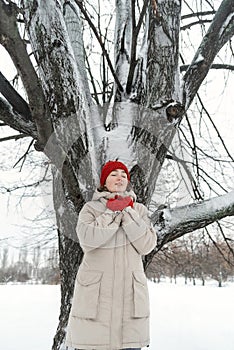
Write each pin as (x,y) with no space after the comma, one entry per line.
(220,31)
(11,40)
(135,32)
(18,103)
(16,121)
(200,21)
(142,14)
(230,67)
(23,156)
(226,240)
(99,39)
(95,93)
(215,127)
(198,14)
(13,137)
(217,246)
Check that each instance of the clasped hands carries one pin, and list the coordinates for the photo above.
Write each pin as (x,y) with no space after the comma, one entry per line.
(122,205)
(118,203)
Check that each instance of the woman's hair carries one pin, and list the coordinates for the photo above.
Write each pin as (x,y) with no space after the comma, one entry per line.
(104,188)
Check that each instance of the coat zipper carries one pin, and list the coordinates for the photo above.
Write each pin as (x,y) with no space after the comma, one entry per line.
(112,296)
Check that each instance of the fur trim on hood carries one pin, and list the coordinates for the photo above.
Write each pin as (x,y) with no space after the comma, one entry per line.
(97,196)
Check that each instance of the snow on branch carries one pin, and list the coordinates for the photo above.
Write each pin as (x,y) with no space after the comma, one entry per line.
(173,223)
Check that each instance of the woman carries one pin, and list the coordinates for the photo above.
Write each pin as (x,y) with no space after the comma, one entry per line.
(110,307)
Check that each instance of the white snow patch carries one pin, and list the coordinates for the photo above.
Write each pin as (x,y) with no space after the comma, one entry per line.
(61,210)
(226,23)
(172,104)
(200,58)
(157,105)
(183,317)
(29,316)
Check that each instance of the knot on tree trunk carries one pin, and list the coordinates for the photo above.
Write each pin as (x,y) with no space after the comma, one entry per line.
(174,111)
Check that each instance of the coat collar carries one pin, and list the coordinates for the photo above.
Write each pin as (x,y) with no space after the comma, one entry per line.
(105,195)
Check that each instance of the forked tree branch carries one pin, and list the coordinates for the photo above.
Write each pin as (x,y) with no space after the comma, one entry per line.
(13,43)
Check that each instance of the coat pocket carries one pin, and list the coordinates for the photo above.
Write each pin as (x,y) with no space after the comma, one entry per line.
(140,295)
(86,294)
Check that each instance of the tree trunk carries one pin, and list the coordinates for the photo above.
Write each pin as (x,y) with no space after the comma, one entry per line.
(70,254)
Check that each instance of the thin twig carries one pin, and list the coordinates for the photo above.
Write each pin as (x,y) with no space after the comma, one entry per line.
(215,127)
(230,67)
(135,32)
(225,238)
(92,26)
(24,156)
(217,247)
(13,137)
(200,21)
(95,94)
(197,14)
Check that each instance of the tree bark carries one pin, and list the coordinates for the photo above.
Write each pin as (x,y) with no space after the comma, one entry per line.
(123,35)
(70,253)
(154,127)
(15,120)
(71,13)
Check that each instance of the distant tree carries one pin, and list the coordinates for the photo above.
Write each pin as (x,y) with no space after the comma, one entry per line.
(36,262)
(218,268)
(4,258)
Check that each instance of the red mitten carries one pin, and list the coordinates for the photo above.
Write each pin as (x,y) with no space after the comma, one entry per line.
(119,203)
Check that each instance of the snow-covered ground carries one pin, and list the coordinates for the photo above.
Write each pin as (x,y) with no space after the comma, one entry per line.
(182,317)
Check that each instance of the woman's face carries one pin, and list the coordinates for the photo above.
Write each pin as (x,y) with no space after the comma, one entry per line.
(117,181)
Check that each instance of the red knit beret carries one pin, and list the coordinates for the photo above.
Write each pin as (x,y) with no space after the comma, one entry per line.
(111,166)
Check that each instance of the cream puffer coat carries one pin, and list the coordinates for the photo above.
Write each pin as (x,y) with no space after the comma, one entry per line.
(110,307)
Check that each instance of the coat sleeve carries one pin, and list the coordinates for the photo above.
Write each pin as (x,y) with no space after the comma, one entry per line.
(96,231)
(139,229)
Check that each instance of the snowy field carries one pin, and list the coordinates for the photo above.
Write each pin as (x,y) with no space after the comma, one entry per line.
(182,317)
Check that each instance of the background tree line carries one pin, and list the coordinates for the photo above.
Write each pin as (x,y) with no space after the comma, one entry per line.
(40,267)
(193,258)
